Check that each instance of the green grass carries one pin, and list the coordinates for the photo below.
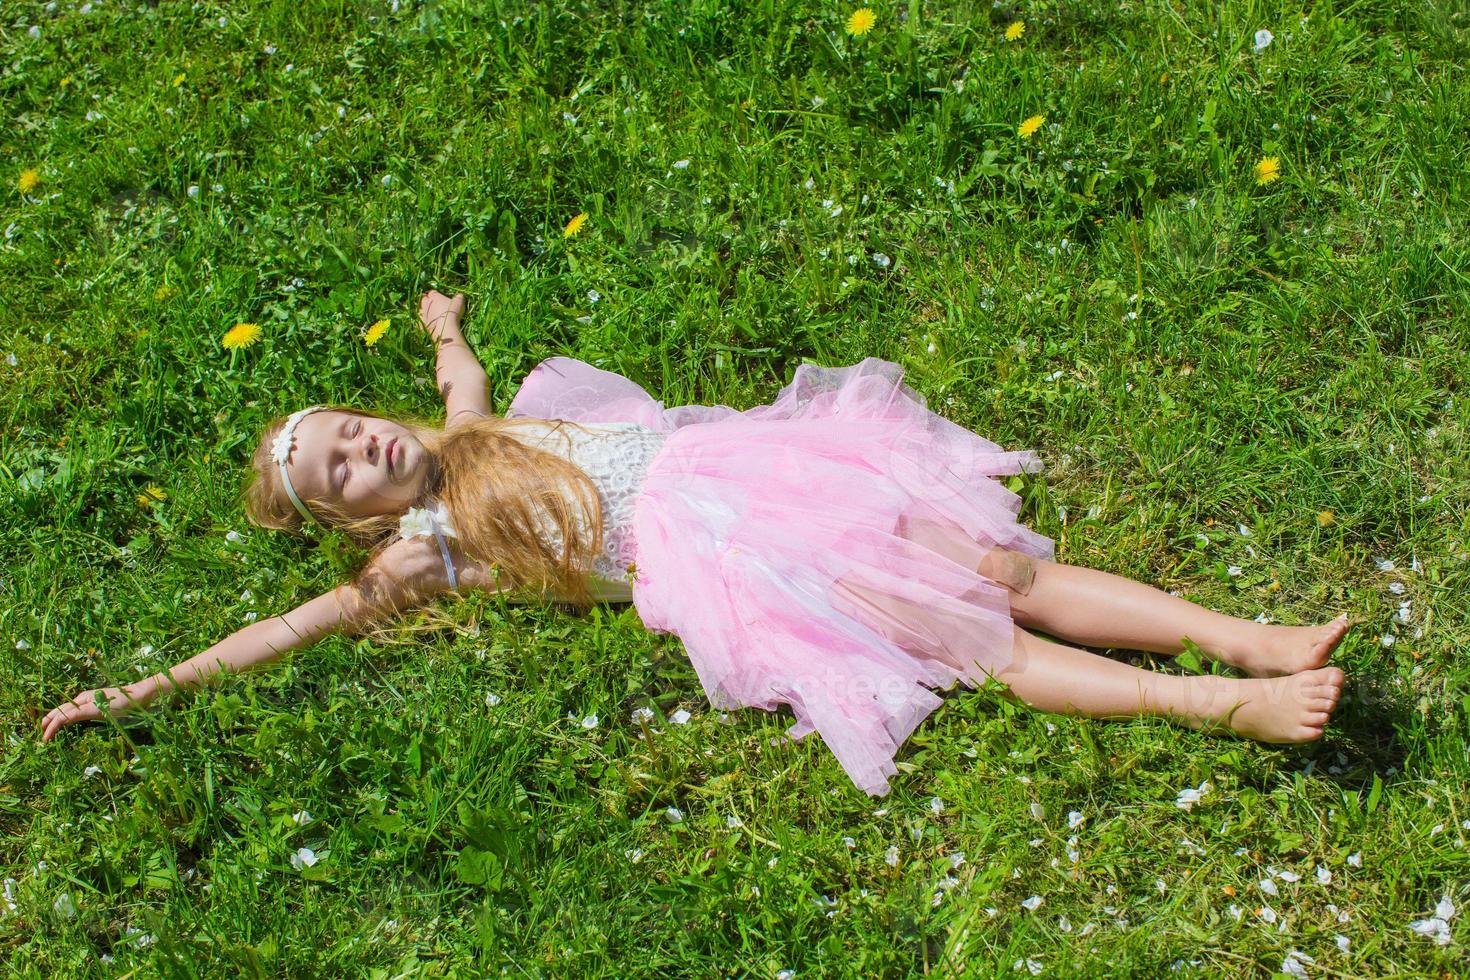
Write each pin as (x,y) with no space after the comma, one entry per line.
(1189,351)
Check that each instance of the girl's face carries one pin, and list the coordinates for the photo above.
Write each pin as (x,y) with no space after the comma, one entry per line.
(364,466)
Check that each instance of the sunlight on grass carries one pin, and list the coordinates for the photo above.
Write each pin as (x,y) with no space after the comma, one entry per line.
(1211,261)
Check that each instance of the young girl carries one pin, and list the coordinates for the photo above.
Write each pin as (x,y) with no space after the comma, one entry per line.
(842,550)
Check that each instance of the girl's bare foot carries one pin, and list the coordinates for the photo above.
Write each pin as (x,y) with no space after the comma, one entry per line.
(1291,649)
(1283,710)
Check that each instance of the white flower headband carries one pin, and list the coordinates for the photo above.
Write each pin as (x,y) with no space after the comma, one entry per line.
(281,450)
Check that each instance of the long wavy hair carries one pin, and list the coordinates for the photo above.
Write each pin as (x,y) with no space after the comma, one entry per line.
(500,492)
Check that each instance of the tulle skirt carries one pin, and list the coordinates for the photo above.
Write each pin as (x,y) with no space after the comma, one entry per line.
(822,551)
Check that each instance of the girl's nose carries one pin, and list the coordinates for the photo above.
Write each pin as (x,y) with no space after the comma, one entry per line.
(370,447)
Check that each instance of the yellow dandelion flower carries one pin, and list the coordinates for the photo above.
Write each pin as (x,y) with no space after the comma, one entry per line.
(1268,170)
(241,335)
(65,82)
(575,225)
(861,21)
(179,79)
(150,496)
(1030,126)
(1326,517)
(375,333)
(1014,32)
(27,181)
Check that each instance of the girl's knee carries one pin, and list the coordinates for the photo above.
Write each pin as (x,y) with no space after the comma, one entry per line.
(1013,569)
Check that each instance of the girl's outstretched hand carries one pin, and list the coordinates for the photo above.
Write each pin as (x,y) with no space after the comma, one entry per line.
(437,310)
(83,707)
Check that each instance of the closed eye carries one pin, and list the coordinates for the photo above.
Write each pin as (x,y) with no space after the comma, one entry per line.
(344,472)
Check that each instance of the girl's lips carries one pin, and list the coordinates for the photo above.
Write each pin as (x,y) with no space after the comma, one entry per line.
(392,447)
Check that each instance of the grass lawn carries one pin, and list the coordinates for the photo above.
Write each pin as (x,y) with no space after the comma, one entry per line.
(1219,284)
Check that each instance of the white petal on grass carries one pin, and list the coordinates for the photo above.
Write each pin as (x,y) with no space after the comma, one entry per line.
(881,261)
(301,818)
(304,857)
(680,164)
(491,699)
(1074,819)
(1445,909)
(590,721)
(1355,859)
(91,770)
(1189,796)
(1342,941)
(674,814)
(1293,964)
(1038,811)
(642,714)
(1033,903)
(936,804)
(1288,876)
(1233,571)
(1268,886)
(1324,876)
(1384,564)
(633,854)
(1436,928)
(680,717)
(890,856)
(1263,40)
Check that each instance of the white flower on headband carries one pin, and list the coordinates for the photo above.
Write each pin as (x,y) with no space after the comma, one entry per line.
(281,448)
(418,522)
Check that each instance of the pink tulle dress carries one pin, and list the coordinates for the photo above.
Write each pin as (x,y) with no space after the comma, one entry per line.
(822,551)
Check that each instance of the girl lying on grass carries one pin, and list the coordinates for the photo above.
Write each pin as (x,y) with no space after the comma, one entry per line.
(842,550)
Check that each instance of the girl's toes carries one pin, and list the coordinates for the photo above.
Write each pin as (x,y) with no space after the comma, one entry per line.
(1315,719)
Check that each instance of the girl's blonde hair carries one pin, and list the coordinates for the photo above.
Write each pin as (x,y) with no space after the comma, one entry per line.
(500,494)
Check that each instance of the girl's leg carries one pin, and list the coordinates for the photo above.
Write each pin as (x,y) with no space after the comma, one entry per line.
(1066,680)
(1098,609)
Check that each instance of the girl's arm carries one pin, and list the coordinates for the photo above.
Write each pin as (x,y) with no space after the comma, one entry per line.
(461,379)
(407,573)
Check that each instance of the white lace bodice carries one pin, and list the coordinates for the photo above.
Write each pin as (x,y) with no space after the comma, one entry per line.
(615,456)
